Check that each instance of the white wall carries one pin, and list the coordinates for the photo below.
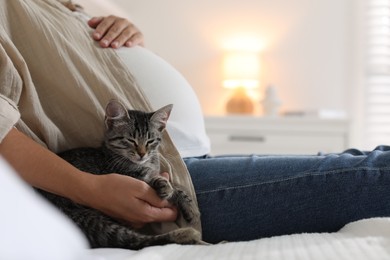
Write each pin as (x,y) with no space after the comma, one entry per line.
(306,49)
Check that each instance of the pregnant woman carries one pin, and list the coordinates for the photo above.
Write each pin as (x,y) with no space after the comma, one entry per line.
(56,76)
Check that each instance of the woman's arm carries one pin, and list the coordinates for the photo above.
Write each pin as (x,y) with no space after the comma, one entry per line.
(120,196)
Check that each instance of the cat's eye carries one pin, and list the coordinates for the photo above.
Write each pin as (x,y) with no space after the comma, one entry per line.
(133,142)
(149,142)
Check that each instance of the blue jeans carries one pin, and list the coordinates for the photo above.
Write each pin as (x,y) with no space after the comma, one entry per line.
(249,197)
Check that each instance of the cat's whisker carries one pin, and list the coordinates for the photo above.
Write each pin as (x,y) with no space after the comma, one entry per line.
(117,162)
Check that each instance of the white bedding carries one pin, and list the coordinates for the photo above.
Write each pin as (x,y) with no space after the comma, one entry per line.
(364,239)
(33,229)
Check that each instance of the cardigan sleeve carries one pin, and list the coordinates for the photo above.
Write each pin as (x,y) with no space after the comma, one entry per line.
(9,115)
(10,88)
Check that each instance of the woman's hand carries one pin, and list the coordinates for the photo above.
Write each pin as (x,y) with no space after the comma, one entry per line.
(130,200)
(113,31)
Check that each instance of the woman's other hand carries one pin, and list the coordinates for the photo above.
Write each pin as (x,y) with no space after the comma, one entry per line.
(113,31)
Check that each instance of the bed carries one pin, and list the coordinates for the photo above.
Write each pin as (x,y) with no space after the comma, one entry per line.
(364,239)
(33,229)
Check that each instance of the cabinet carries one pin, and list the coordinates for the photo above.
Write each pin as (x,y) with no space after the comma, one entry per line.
(276,135)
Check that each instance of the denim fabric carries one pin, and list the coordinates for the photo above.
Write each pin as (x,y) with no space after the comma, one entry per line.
(249,197)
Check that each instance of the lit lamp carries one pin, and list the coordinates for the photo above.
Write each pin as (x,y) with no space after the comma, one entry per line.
(241,72)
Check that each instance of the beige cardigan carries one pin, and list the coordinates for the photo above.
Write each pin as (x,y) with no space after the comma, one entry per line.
(55,82)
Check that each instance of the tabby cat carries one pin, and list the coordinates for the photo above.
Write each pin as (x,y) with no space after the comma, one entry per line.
(130,147)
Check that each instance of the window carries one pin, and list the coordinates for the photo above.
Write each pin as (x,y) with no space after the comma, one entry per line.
(377,80)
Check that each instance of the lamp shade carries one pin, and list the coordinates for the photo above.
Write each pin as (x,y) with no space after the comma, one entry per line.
(241,69)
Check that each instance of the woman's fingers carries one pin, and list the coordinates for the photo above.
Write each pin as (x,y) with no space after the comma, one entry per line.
(157,214)
(130,200)
(113,31)
(136,39)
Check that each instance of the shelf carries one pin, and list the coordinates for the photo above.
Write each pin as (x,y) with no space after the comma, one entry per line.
(276,135)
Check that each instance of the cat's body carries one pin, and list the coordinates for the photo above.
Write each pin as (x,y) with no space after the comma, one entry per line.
(130,148)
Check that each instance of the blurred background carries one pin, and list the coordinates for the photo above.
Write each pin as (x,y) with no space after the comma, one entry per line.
(323,57)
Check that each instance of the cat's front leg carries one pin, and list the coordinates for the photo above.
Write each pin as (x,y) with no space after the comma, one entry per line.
(177,196)
(162,186)
(187,206)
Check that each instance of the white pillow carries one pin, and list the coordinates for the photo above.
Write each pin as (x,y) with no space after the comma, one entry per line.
(30,227)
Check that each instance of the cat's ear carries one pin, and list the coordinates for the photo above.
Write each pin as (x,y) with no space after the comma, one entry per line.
(160,117)
(115,111)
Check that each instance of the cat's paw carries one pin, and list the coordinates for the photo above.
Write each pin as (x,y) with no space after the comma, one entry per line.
(191,214)
(163,188)
(188,208)
(187,236)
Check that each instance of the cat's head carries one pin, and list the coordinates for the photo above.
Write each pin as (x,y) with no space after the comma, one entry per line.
(134,134)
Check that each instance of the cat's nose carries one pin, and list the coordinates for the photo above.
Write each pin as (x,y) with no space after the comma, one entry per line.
(141,153)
